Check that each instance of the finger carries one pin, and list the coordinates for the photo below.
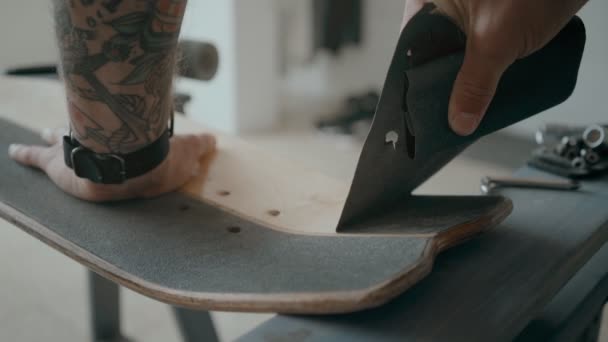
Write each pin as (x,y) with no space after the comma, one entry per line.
(35,156)
(473,90)
(53,136)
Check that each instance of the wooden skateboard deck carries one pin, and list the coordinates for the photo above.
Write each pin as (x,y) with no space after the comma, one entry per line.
(185,251)
(256,233)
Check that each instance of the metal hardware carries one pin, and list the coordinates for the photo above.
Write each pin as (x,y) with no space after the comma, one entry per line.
(171,124)
(578,163)
(596,137)
(552,133)
(572,151)
(391,137)
(80,149)
(488,184)
(74,152)
(591,157)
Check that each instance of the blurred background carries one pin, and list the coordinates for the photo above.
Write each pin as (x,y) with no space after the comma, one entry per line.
(285,60)
(299,78)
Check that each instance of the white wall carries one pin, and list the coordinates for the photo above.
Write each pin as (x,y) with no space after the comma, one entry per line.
(27,37)
(242,97)
(212,101)
(318,87)
(257,67)
(26,33)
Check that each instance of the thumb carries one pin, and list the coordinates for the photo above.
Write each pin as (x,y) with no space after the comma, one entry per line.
(473,90)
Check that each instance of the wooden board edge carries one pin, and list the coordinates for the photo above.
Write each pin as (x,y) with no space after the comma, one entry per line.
(460,233)
(384,292)
(293,303)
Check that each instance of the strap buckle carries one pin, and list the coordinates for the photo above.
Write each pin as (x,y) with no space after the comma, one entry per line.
(171,124)
(110,168)
(85,165)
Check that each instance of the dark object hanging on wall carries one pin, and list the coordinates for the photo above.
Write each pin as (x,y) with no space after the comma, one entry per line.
(200,60)
(48,71)
(336,23)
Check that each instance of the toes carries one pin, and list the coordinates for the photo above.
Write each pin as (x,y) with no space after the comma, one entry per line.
(35,156)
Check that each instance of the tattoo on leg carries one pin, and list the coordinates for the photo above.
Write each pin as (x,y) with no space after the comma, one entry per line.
(91,22)
(138,40)
(111,5)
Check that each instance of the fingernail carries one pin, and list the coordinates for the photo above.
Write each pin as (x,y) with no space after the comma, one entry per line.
(464,123)
(47,133)
(12,148)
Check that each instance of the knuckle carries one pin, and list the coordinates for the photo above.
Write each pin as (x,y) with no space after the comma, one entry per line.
(27,155)
(474,92)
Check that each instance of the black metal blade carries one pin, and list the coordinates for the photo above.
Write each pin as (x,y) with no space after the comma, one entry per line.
(410,138)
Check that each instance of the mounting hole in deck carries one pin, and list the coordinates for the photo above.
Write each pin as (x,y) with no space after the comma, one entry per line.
(234,229)
(184,207)
(223,193)
(274,212)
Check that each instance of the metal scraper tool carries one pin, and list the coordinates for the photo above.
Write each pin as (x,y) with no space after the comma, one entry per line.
(410,139)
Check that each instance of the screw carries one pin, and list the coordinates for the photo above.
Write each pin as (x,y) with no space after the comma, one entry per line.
(578,163)
(590,156)
(490,183)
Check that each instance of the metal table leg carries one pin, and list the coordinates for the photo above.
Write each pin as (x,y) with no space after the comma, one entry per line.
(104,301)
(195,326)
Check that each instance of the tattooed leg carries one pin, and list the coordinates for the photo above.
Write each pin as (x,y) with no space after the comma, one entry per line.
(118,59)
(117,63)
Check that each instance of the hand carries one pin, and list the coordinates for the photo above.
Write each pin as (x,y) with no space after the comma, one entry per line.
(181,164)
(498,33)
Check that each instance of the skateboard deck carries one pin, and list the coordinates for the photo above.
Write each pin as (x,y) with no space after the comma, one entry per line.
(260,234)
(186,251)
(199,249)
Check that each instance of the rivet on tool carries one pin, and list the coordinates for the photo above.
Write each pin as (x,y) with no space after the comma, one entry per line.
(391,137)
